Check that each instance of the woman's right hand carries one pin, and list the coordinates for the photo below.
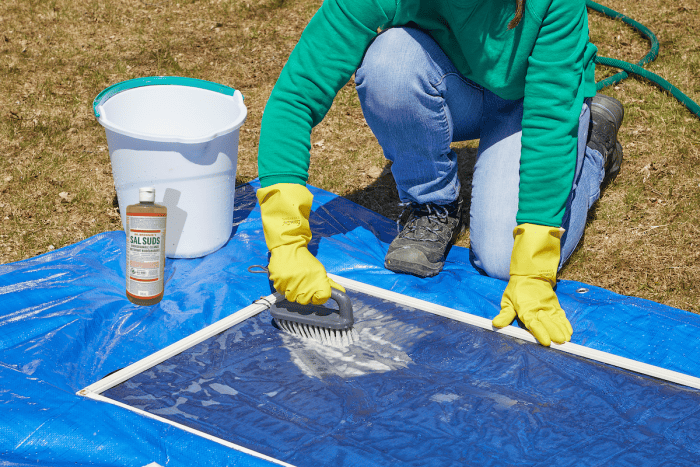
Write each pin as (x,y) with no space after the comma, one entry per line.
(294,271)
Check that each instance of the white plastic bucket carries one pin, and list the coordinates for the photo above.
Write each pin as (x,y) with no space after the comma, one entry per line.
(179,135)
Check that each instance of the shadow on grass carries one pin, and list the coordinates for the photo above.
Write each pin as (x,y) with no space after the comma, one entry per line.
(382,197)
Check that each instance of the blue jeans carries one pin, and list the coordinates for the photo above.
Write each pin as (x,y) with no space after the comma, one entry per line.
(418,104)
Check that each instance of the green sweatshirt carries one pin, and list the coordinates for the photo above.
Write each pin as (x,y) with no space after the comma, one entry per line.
(547,59)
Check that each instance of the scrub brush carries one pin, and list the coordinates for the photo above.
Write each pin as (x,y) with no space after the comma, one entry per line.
(320,323)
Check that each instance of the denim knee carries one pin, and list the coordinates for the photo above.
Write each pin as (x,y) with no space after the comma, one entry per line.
(389,76)
(494,262)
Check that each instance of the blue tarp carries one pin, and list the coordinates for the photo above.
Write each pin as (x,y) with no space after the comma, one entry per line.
(414,389)
(66,323)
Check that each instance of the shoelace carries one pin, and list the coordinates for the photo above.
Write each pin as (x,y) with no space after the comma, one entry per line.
(436,215)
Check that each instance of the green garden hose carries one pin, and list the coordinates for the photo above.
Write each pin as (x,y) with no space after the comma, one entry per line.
(637,69)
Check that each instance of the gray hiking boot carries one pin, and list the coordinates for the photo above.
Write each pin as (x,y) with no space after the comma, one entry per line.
(606,117)
(421,246)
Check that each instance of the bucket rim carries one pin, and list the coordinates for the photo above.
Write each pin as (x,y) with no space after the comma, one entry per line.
(135,83)
(122,86)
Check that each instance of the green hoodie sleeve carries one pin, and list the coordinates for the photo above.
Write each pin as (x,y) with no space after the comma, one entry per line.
(328,53)
(555,87)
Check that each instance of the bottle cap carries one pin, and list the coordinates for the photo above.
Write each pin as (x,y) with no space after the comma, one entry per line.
(147,194)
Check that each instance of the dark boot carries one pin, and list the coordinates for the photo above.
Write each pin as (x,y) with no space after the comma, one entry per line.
(421,246)
(606,117)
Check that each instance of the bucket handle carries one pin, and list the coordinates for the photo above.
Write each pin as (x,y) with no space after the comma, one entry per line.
(157,80)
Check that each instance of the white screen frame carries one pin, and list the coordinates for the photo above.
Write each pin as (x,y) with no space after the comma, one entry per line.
(95,390)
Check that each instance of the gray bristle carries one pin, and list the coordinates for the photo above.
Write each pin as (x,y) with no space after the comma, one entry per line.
(325,336)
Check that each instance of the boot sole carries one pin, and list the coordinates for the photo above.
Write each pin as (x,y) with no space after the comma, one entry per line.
(606,105)
(420,266)
(420,270)
(616,166)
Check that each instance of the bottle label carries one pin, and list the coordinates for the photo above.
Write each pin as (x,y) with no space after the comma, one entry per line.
(145,254)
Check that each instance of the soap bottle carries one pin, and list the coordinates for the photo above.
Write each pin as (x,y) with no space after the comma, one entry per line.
(145,249)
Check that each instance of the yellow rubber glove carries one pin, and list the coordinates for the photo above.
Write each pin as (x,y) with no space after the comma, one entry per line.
(530,294)
(294,271)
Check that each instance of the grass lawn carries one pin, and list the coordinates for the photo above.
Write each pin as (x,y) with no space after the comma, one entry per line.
(56,184)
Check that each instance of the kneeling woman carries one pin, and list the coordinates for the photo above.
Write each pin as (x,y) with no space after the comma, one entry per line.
(516,74)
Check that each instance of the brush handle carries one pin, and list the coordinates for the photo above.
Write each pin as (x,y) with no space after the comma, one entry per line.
(316,315)
(344,304)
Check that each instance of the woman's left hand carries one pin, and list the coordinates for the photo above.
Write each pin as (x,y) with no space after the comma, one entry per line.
(530,291)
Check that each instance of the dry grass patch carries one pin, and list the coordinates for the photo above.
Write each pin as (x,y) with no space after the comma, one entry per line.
(55,178)
(642,239)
